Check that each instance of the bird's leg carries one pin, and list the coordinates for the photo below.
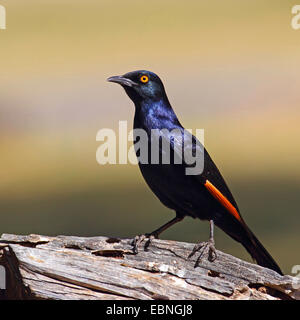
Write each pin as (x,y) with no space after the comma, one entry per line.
(210,245)
(153,235)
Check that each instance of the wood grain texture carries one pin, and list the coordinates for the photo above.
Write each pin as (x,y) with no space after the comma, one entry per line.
(67,267)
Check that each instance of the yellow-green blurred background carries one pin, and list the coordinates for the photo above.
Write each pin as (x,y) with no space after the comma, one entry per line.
(230,67)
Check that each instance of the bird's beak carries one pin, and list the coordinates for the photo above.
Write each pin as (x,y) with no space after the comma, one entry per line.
(122,81)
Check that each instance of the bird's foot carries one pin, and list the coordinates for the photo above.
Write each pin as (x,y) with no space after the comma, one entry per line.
(204,246)
(140,238)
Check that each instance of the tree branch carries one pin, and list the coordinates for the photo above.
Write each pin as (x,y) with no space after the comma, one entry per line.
(67,267)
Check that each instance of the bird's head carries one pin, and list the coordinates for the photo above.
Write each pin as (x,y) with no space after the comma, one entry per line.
(141,85)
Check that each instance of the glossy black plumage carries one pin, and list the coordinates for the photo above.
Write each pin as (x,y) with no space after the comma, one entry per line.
(186,194)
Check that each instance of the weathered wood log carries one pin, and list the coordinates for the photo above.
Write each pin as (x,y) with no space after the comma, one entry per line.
(66,267)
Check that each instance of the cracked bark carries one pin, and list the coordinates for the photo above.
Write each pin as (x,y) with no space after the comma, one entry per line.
(67,267)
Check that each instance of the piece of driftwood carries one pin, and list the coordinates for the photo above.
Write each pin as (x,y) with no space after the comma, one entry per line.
(66,267)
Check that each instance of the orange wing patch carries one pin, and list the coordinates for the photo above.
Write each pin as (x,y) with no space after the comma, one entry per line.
(222,199)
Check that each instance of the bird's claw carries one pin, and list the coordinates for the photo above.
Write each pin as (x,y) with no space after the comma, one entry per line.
(204,246)
(140,238)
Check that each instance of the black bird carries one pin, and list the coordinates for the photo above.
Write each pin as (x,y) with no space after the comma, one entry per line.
(206,195)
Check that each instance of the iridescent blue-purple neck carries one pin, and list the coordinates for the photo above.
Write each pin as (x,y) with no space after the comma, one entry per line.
(156,114)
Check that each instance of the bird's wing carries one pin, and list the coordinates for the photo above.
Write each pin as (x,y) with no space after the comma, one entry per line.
(215,184)
(210,177)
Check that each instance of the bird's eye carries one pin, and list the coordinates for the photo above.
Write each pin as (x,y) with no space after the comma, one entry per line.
(144,79)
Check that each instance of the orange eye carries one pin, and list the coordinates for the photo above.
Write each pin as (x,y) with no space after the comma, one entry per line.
(144,79)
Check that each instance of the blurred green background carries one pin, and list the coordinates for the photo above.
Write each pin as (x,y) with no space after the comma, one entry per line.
(230,67)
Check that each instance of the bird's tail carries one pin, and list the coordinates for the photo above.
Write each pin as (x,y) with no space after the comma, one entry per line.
(239,231)
(258,252)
